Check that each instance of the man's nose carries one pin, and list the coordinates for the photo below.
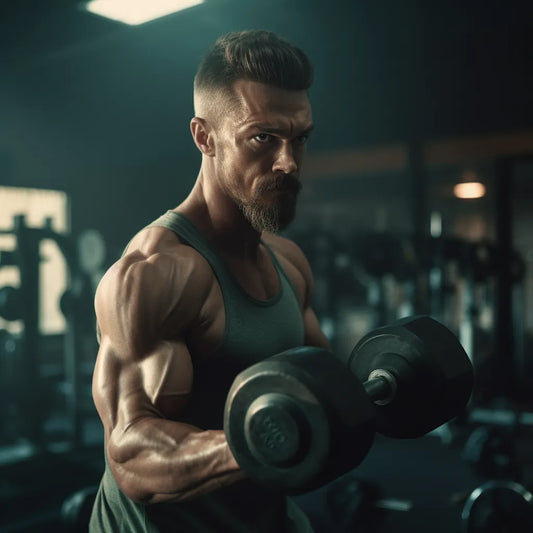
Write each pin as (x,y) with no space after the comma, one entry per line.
(285,161)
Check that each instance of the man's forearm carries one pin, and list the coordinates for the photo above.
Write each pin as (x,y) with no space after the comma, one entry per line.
(156,460)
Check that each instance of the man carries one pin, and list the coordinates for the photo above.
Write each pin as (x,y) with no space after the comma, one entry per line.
(205,291)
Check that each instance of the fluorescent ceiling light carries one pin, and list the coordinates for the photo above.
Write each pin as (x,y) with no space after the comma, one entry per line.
(136,12)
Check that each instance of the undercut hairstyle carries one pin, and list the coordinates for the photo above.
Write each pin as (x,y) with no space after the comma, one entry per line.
(253,55)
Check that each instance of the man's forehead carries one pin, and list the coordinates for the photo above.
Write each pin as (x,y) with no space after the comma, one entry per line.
(259,101)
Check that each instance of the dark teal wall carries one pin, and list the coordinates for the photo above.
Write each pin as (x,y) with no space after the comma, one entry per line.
(102,111)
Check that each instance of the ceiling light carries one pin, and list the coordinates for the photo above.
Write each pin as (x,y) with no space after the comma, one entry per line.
(469,187)
(469,190)
(136,12)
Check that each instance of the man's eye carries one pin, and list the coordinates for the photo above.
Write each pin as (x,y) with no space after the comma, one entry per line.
(302,139)
(262,137)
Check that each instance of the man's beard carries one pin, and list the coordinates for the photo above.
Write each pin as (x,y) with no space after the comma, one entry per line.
(277,216)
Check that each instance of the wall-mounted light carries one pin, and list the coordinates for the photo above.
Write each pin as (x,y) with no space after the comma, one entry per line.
(136,12)
(470,187)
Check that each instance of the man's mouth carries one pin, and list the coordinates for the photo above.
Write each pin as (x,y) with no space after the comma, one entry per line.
(284,184)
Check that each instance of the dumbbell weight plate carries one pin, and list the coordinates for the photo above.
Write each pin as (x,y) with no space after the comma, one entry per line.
(76,510)
(433,373)
(498,506)
(298,420)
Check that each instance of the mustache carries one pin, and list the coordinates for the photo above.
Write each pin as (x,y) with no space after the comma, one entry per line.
(287,183)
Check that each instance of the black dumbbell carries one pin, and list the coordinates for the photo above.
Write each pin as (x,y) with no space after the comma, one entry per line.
(76,510)
(302,418)
(298,419)
(356,504)
(498,507)
(417,374)
(491,452)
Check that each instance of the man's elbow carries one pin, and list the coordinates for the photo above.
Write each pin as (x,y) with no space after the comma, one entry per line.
(142,488)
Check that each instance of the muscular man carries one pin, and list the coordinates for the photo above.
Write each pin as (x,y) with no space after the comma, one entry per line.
(205,291)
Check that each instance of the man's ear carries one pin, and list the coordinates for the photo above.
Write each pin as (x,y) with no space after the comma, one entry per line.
(202,134)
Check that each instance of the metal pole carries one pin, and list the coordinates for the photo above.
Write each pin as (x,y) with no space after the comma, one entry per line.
(28,261)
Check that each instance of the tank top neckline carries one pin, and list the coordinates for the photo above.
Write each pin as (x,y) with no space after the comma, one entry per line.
(213,256)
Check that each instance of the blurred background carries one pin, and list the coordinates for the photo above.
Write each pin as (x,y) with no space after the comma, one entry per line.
(417,199)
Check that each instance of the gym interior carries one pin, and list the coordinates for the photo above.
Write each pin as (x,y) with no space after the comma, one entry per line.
(417,200)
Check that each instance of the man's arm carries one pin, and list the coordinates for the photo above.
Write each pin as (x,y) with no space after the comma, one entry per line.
(143,377)
(314,336)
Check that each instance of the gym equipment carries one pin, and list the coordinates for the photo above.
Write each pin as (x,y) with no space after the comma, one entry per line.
(497,507)
(290,420)
(491,453)
(301,418)
(23,303)
(76,509)
(382,253)
(334,280)
(11,304)
(359,505)
(417,373)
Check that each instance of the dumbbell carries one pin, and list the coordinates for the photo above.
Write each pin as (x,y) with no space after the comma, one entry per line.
(303,417)
(417,374)
(76,510)
(498,506)
(491,452)
(356,504)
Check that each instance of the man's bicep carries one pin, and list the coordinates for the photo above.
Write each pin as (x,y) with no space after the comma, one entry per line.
(129,388)
(167,377)
(140,371)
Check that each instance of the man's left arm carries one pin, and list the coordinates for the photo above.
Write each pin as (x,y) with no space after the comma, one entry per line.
(314,336)
(302,278)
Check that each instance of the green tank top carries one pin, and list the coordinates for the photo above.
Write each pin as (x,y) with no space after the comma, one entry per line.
(254,330)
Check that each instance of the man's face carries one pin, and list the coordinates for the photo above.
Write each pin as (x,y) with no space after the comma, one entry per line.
(260,147)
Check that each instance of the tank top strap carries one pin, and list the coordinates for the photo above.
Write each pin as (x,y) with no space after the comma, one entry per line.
(188,232)
(281,272)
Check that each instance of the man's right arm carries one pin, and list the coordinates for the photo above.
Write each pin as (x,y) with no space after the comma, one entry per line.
(143,376)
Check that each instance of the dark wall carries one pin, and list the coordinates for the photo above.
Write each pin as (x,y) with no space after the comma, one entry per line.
(102,110)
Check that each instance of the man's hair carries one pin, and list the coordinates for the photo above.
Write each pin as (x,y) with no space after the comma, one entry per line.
(254,55)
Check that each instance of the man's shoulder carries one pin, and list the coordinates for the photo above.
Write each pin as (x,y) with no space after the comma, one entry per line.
(162,247)
(285,248)
(156,261)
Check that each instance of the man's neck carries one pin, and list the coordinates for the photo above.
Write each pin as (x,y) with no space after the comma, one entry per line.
(221,221)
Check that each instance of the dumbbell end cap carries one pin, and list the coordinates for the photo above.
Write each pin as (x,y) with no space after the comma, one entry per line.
(273,429)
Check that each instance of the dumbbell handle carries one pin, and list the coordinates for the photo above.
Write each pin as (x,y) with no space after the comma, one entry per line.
(381,386)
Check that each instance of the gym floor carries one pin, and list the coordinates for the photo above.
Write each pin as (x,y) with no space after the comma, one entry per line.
(425,473)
